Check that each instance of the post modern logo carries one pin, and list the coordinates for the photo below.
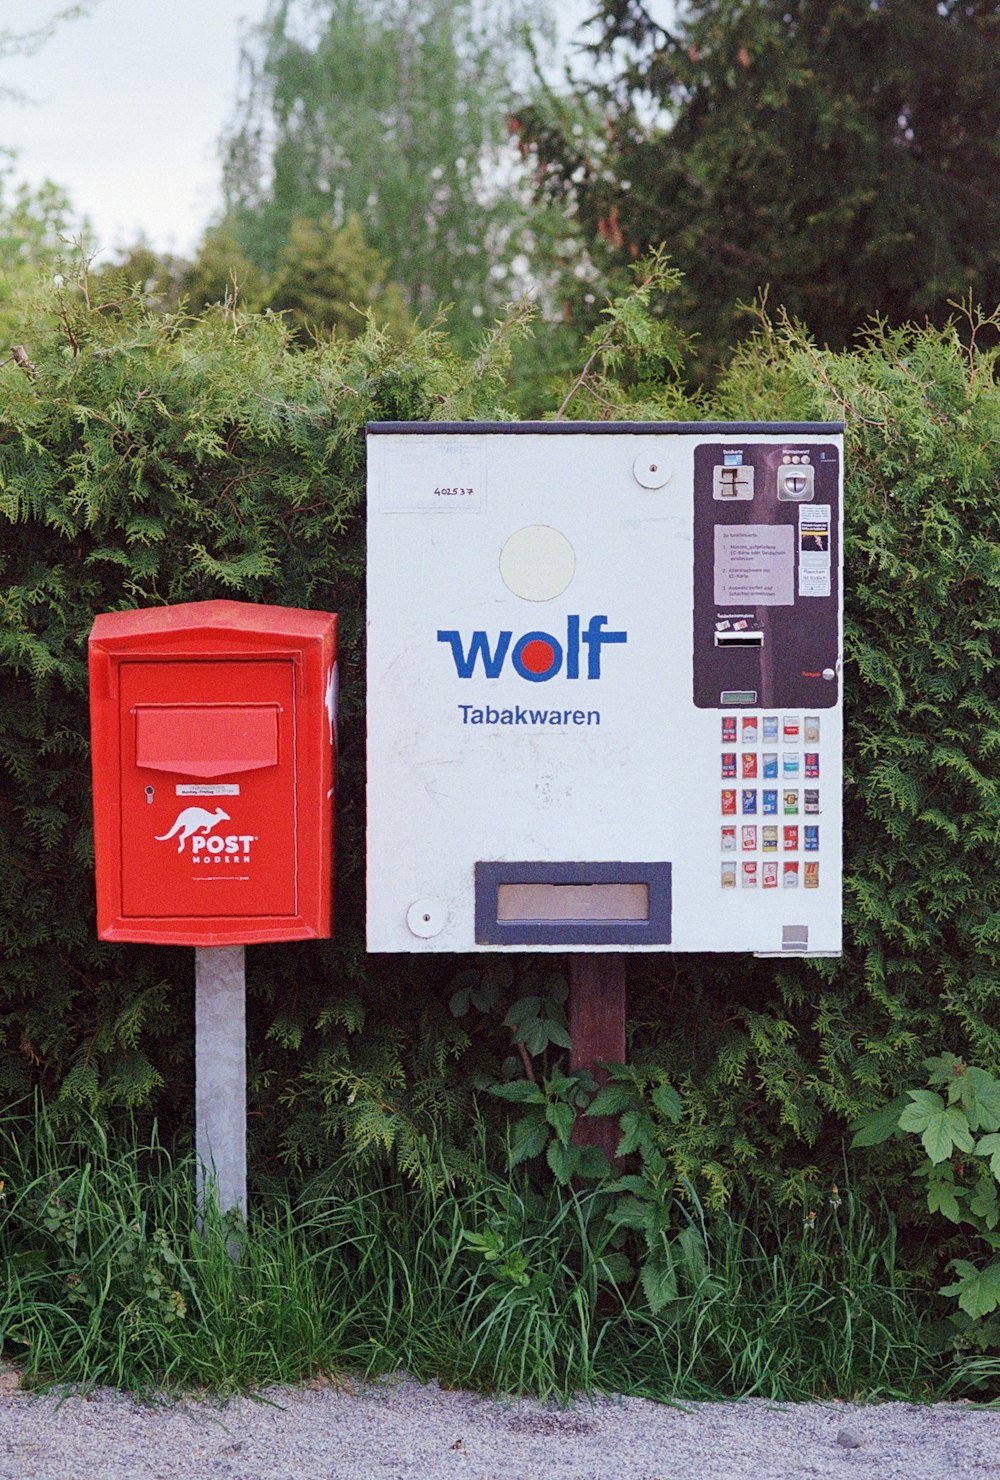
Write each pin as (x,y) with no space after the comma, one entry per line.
(198,825)
(537,656)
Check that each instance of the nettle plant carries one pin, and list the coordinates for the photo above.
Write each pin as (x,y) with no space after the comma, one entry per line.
(645,1214)
(958,1122)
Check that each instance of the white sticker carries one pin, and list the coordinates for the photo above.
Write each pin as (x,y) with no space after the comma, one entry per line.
(435,476)
(754,563)
(208,789)
(814,550)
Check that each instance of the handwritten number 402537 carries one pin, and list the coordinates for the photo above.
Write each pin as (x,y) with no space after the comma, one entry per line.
(453,492)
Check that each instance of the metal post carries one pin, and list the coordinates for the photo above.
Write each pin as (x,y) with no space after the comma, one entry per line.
(597,1029)
(220,1072)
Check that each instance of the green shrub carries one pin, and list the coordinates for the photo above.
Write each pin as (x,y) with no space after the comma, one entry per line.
(771,1058)
(147,459)
(957,1120)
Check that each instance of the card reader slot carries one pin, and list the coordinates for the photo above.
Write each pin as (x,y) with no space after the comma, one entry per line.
(739,639)
(551,902)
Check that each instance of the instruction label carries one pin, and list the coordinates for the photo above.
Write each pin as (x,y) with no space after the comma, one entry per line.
(755,564)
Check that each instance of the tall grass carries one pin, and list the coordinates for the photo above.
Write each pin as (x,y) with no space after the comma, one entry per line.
(112,1278)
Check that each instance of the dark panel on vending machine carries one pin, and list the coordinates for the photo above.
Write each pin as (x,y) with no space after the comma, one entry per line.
(766,597)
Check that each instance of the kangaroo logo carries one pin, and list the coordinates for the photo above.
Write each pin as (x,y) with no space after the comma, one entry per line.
(193,820)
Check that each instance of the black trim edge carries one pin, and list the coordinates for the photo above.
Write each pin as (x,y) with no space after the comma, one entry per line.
(605,428)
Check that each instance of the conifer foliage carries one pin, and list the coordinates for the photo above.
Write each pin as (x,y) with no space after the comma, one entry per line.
(146,458)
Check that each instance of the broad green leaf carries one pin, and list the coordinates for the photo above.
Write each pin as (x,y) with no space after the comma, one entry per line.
(944,1132)
(488,1245)
(612,1100)
(983,1203)
(521,1091)
(592,1163)
(637,1130)
(941,1199)
(629,1212)
(559,1084)
(562,1162)
(978,1290)
(659,1282)
(459,1003)
(521,1010)
(879,1124)
(636,1185)
(958,1126)
(980,1094)
(615,1267)
(941,1069)
(668,1102)
(990,1146)
(692,1250)
(924,1106)
(534,1034)
(528,1136)
(561,1118)
(486,997)
(558,1034)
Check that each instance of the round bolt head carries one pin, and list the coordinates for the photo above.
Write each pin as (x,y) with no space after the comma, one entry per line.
(426,918)
(649,468)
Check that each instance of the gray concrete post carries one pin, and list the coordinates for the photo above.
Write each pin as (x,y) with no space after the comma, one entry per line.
(220,1072)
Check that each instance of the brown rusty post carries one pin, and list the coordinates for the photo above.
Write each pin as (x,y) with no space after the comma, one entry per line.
(597,1028)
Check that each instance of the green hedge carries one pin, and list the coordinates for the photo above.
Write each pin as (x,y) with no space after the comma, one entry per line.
(150,459)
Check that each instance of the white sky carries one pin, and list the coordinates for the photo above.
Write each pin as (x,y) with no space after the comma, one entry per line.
(128,104)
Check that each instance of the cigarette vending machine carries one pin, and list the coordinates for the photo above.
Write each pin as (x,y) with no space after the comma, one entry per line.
(604,686)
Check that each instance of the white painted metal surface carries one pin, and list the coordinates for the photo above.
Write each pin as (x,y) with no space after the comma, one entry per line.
(576,737)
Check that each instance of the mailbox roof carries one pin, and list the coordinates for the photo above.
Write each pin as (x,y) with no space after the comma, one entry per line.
(210,619)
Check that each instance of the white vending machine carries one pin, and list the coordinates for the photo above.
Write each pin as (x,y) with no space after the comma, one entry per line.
(604,686)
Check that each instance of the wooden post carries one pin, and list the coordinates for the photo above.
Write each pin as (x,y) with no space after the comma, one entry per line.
(597,1028)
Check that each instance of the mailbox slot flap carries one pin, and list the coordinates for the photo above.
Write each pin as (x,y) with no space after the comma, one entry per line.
(206,739)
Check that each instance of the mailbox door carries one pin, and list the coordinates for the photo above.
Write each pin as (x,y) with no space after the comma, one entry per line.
(208,795)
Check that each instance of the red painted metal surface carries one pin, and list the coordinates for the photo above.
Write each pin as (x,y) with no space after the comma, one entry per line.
(212,727)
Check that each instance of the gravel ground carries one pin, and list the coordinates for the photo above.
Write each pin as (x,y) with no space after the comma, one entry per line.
(403,1430)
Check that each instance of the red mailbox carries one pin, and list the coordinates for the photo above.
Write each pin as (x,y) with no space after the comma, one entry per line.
(213,731)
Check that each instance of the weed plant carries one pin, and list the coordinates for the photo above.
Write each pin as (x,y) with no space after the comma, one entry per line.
(492,1284)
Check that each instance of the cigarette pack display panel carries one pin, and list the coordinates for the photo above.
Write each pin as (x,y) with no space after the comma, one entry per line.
(576,665)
